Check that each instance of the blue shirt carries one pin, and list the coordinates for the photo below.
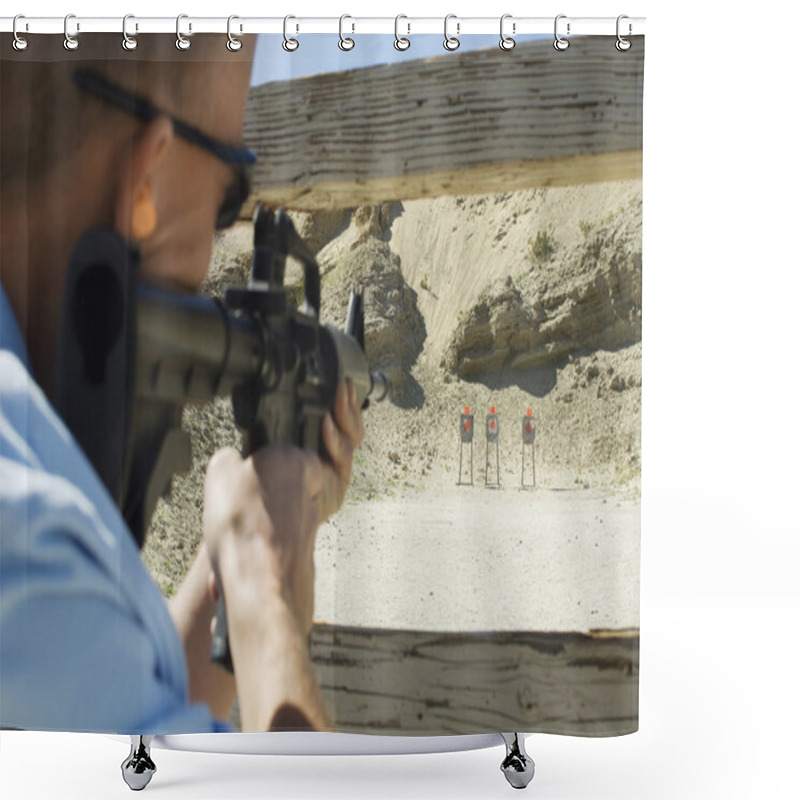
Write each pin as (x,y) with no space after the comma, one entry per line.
(86,640)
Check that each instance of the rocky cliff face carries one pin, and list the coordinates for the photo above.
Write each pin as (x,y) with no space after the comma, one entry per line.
(586,298)
(394,331)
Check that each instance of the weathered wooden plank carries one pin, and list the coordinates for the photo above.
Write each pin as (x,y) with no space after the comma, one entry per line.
(426,683)
(471,123)
(441,683)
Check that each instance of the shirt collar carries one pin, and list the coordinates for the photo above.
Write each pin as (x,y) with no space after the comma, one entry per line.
(10,334)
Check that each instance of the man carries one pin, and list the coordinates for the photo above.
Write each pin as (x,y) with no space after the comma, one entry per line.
(86,641)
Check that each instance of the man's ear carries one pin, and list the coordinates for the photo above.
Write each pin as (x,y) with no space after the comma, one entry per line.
(135,211)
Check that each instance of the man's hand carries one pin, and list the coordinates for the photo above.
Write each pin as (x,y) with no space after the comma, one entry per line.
(341,439)
(260,522)
(281,493)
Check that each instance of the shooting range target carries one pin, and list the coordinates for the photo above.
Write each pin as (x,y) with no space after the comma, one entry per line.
(467,426)
(467,431)
(492,425)
(493,437)
(528,428)
(528,435)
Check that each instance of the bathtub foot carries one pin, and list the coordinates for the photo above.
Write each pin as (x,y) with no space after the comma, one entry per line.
(138,768)
(517,766)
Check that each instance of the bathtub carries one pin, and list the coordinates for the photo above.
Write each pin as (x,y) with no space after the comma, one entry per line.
(138,768)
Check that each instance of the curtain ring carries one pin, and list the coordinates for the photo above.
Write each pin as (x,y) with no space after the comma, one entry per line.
(560,43)
(400,42)
(128,42)
(451,42)
(19,42)
(622,44)
(289,44)
(506,42)
(345,42)
(182,43)
(70,42)
(234,44)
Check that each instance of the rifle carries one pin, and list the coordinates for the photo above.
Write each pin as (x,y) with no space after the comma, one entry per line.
(131,356)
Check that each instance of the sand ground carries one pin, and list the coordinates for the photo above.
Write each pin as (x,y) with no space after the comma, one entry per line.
(476,558)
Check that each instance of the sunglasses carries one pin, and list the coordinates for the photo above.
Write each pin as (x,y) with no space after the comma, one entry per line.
(239,158)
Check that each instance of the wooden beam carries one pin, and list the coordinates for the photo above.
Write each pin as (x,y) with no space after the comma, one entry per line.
(486,121)
(424,683)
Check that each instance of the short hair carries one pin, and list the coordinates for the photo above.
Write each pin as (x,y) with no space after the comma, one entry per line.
(44,117)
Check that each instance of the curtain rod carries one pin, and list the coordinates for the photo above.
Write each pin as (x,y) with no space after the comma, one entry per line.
(404,25)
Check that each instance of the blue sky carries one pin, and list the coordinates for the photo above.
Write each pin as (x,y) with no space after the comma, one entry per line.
(319,52)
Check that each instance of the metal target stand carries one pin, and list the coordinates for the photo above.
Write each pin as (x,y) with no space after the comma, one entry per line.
(492,436)
(528,437)
(467,430)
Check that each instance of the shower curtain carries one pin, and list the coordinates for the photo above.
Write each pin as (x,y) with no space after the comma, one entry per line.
(485,203)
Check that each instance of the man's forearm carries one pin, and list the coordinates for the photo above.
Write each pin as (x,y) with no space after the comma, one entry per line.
(277,687)
(192,611)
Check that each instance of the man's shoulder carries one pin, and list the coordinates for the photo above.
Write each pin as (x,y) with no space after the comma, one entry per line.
(62,533)
(43,472)
(27,420)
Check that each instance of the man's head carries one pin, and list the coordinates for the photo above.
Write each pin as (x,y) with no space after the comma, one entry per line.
(71,160)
